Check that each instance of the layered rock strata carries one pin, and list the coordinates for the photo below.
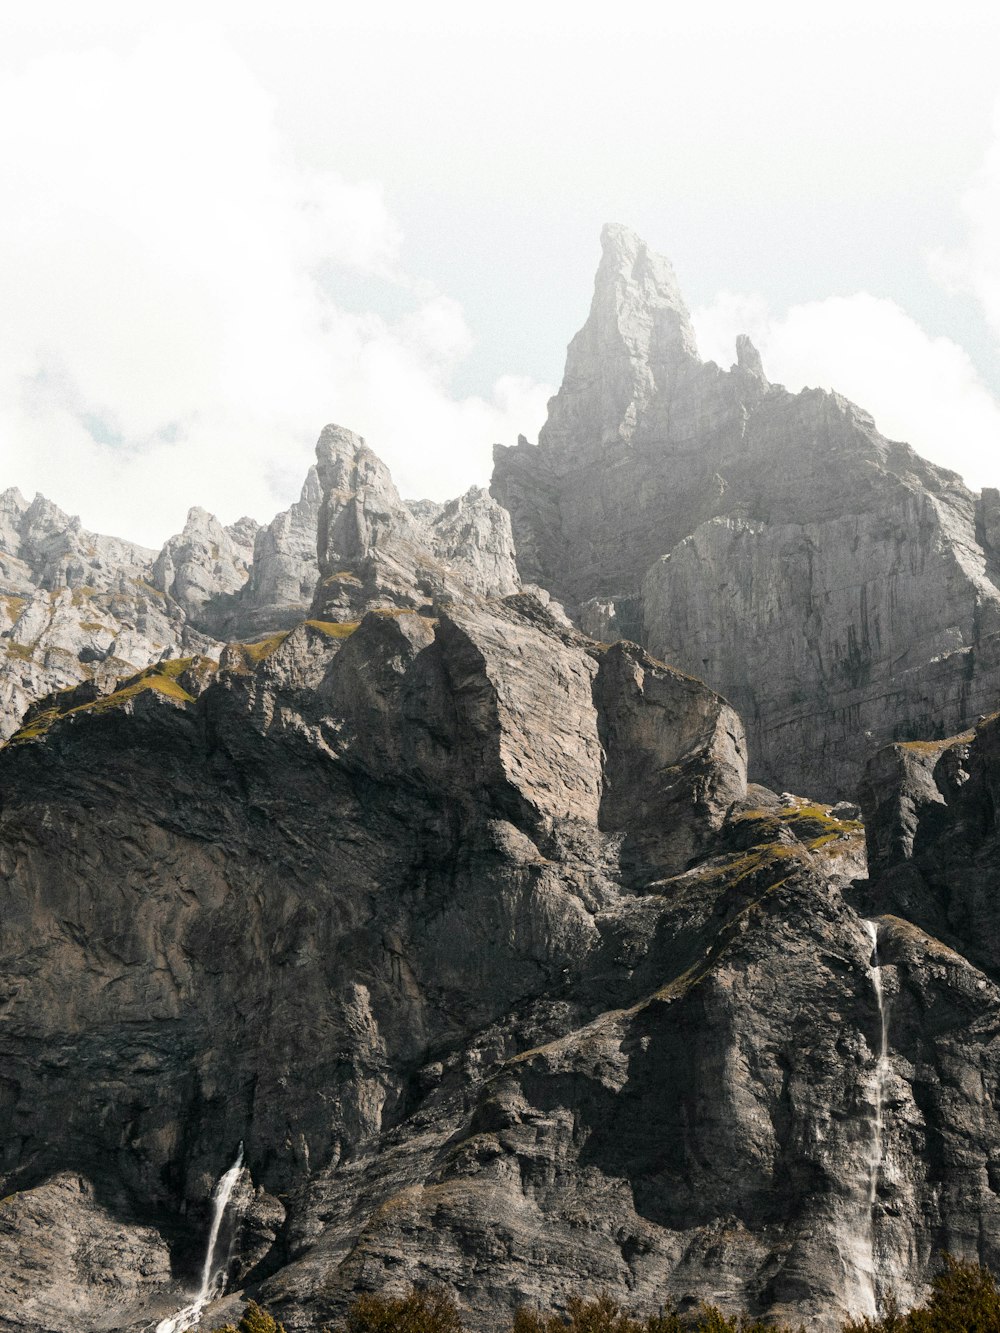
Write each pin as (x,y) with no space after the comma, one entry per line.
(471,930)
(76,607)
(841,590)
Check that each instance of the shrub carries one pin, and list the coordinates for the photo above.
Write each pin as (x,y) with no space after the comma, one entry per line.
(419,1312)
(604,1316)
(964,1299)
(255,1320)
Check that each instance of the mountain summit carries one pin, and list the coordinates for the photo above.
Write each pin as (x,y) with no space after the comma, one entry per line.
(840,589)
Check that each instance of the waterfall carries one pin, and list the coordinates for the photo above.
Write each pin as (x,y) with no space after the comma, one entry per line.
(881,1068)
(213,1272)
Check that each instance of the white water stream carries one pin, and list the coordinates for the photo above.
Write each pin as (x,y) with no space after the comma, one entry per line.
(214,1269)
(882,1069)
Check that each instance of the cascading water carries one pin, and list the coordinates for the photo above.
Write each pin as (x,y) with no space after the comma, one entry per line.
(213,1272)
(881,1068)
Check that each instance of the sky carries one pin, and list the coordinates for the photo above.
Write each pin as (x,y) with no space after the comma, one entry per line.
(224,225)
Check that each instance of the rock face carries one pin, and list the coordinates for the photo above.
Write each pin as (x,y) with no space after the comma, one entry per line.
(205,563)
(74,605)
(376,552)
(838,588)
(283,572)
(471,930)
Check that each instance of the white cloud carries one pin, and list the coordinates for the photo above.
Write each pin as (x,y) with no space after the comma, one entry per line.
(165,338)
(975,268)
(920,389)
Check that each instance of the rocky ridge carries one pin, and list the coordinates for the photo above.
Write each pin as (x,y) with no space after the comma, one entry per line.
(78,607)
(841,590)
(471,929)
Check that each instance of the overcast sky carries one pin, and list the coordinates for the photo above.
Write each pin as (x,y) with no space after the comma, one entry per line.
(221,228)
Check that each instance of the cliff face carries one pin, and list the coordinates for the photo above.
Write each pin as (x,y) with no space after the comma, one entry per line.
(470,929)
(76,607)
(374,551)
(837,587)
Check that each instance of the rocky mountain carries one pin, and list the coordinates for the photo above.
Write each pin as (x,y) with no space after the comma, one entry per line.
(376,552)
(342,865)
(77,607)
(838,588)
(469,928)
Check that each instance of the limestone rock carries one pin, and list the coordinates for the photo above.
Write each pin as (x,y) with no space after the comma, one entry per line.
(374,552)
(839,589)
(284,570)
(204,563)
(522,988)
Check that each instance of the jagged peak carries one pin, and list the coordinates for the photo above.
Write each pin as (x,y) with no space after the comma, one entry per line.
(198,518)
(338,440)
(640,278)
(748,358)
(312,491)
(637,335)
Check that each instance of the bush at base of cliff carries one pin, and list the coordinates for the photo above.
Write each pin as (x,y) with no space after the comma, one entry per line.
(964,1299)
(604,1316)
(254,1320)
(419,1312)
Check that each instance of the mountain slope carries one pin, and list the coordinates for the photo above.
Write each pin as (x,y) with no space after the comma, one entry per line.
(470,929)
(841,590)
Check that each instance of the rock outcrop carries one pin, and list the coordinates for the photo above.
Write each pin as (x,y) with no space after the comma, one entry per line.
(470,929)
(205,564)
(841,590)
(374,551)
(283,572)
(74,604)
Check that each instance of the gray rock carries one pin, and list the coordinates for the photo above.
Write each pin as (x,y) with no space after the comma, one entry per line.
(839,589)
(284,571)
(204,562)
(472,930)
(373,552)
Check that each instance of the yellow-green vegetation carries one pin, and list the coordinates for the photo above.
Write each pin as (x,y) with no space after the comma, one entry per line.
(92,626)
(334,629)
(13,605)
(964,1299)
(261,648)
(926,747)
(22,651)
(811,824)
(81,594)
(152,679)
(255,1319)
(162,678)
(763,860)
(38,725)
(341,576)
(149,588)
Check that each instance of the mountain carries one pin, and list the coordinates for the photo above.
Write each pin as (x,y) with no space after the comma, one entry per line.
(838,588)
(470,929)
(393,864)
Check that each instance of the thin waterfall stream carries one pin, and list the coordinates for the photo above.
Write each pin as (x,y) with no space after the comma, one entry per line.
(214,1268)
(881,1068)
